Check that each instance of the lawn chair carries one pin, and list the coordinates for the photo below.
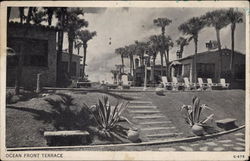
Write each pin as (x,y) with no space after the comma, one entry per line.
(210,84)
(224,84)
(203,86)
(176,84)
(125,82)
(188,85)
(165,82)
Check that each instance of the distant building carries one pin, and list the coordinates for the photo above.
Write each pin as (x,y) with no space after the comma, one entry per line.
(208,64)
(38,43)
(75,64)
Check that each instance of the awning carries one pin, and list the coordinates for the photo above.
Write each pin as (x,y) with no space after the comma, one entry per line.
(174,63)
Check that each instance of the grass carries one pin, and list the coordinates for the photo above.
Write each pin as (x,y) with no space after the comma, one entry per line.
(26,120)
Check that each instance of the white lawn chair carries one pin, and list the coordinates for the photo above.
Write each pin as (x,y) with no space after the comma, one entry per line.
(175,84)
(210,83)
(187,84)
(203,86)
(125,82)
(165,82)
(224,84)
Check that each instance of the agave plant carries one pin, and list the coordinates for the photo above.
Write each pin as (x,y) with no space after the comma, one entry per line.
(107,116)
(193,112)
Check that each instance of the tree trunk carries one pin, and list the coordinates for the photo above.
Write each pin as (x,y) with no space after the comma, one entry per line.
(167,63)
(152,73)
(8,14)
(181,51)
(233,26)
(21,14)
(161,63)
(84,59)
(71,41)
(60,48)
(29,15)
(122,63)
(195,61)
(220,54)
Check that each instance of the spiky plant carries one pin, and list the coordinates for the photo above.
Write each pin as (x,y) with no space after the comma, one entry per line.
(107,116)
(192,113)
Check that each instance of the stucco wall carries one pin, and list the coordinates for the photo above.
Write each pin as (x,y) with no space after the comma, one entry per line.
(75,58)
(29,73)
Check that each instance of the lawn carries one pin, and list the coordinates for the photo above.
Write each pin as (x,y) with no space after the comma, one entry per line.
(26,120)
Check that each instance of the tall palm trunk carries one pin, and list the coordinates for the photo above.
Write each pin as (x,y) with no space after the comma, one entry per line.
(122,63)
(71,41)
(152,73)
(167,62)
(60,47)
(220,54)
(8,14)
(195,60)
(84,59)
(233,26)
(161,63)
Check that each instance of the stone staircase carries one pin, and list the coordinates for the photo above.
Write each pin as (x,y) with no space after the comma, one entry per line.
(152,124)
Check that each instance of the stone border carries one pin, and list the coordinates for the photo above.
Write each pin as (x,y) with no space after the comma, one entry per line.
(195,138)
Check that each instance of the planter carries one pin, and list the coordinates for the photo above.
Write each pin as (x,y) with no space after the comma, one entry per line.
(159,91)
(197,129)
(133,135)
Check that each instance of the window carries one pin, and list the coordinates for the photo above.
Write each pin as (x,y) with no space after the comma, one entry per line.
(35,52)
(186,70)
(205,70)
(239,71)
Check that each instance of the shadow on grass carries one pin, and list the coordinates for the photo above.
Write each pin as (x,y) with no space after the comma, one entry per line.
(117,96)
(63,115)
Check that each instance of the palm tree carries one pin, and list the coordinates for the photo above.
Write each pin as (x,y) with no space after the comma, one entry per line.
(233,18)
(140,50)
(49,11)
(217,19)
(85,36)
(162,23)
(72,24)
(122,53)
(153,49)
(192,27)
(130,50)
(168,44)
(8,14)
(37,16)
(182,42)
(61,16)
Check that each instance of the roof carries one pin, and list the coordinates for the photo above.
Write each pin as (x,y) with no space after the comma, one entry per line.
(72,54)
(37,26)
(208,52)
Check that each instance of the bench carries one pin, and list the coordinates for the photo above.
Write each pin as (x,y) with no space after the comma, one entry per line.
(83,84)
(77,137)
(226,124)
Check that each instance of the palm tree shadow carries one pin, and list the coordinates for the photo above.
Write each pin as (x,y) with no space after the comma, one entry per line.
(63,115)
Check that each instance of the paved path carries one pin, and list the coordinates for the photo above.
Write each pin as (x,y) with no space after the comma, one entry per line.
(229,142)
(150,121)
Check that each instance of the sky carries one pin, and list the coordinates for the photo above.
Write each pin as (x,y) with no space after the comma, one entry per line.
(122,26)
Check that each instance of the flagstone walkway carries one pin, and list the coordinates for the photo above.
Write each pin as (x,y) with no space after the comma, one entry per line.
(235,142)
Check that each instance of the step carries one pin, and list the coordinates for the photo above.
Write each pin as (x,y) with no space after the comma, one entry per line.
(155,122)
(149,116)
(148,107)
(156,128)
(144,111)
(164,135)
(140,102)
